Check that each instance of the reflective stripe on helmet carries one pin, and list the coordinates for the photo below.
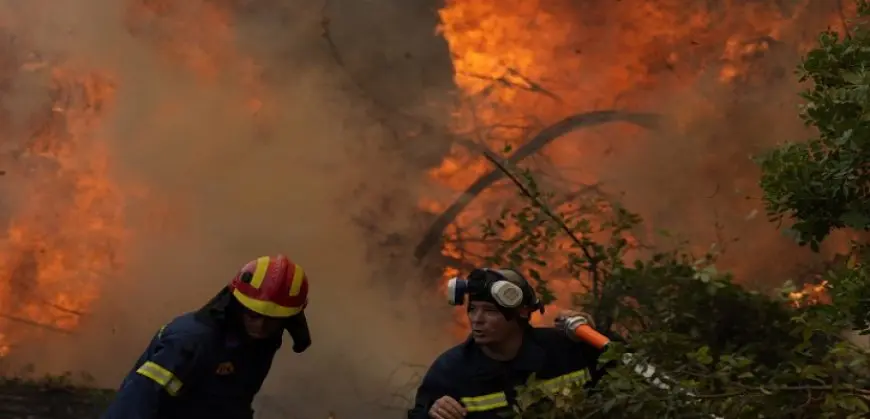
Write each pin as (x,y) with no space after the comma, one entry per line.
(298,279)
(260,271)
(271,286)
(265,308)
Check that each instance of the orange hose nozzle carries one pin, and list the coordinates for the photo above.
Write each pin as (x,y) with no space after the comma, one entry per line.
(591,336)
(585,333)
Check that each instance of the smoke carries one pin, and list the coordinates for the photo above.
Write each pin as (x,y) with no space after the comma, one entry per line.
(698,184)
(234,134)
(236,129)
(694,180)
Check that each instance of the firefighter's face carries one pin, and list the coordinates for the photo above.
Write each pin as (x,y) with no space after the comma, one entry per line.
(488,324)
(261,327)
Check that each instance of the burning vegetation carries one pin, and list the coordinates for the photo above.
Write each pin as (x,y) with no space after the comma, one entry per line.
(559,86)
(535,78)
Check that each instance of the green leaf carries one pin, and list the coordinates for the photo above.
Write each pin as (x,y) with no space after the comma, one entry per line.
(854,78)
(856,220)
(608,406)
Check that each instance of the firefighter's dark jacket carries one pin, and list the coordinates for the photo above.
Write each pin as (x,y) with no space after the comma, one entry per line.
(196,367)
(487,388)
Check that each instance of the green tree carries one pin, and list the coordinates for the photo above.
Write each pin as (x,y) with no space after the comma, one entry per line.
(824,184)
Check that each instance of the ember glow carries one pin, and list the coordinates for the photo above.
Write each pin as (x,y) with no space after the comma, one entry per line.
(811,294)
(522,65)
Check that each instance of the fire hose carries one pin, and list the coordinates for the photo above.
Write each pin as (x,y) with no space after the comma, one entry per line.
(583,331)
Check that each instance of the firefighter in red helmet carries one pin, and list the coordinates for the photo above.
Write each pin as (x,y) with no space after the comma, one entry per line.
(210,363)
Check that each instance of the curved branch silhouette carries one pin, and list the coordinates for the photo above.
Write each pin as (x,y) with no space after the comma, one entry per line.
(546,136)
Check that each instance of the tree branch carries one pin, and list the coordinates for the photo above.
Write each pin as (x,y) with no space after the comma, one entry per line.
(48,327)
(587,252)
(583,120)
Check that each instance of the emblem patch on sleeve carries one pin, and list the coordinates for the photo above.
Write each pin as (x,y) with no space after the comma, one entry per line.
(225,368)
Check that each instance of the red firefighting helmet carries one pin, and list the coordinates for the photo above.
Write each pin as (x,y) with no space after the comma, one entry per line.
(272,286)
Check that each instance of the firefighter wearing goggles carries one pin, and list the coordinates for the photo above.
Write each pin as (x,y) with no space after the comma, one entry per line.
(211,363)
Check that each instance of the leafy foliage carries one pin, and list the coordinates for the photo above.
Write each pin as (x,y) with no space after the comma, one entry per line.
(720,349)
(730,351)
(824,183)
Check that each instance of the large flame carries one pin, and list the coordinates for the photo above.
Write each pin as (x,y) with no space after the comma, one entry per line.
(519,64)
(518,61)
(68,232)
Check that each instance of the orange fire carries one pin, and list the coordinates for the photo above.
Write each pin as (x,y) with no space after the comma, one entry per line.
(522,64)
(199,36)
(68,233)
(810,294)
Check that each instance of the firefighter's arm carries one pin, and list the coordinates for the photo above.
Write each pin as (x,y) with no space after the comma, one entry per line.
(159,376)
(435,385)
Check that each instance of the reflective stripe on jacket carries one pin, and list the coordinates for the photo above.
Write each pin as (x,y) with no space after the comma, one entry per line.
(192,368)
(488,388)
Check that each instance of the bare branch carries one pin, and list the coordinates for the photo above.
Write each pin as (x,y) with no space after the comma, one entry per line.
(584,120)
(541,205)
(49,327)
(505,80)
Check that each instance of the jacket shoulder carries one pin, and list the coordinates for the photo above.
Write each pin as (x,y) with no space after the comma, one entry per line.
(549,336)
(553,336)
(451,362)
(554,341)
(186,331)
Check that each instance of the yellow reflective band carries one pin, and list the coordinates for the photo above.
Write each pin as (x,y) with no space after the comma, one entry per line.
(296,285)
(485,402)
(555,385)
(161,376)
(266,308)
(260,271)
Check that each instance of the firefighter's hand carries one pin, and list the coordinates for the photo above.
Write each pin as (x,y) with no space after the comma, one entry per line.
(447,408)
(567,314)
